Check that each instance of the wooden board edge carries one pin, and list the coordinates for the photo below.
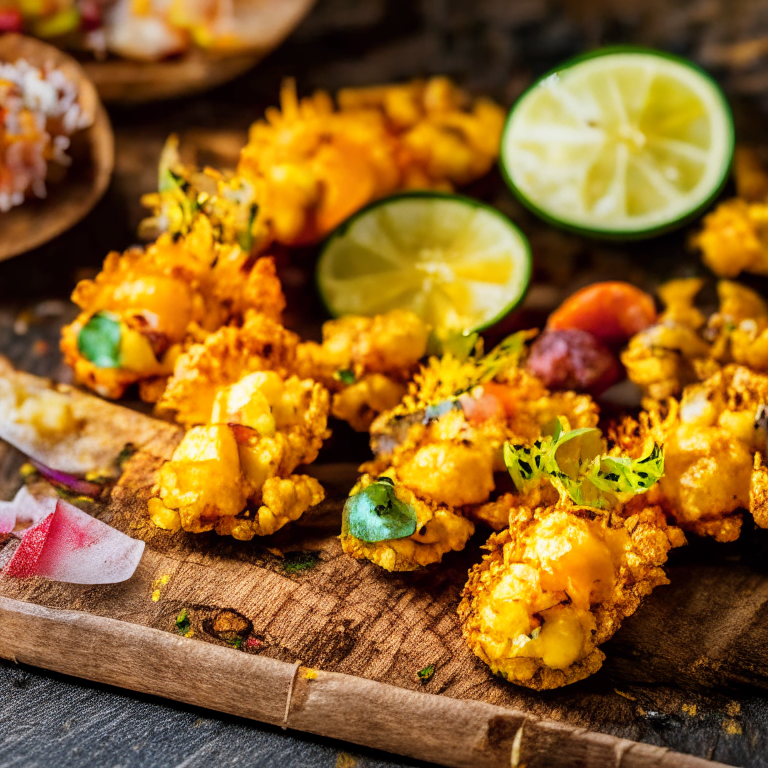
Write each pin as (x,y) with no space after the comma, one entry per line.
(438,729)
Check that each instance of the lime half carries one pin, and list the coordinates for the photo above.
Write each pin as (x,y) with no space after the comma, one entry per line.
(623,142)
(457,263)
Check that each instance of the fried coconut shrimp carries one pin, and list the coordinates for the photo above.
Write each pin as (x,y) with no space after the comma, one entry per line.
(734,238)
(685,346)
(714,441)
(310,164)
(144,305)
(234,475)
(443,443)
(557,584)
(583,547)
(366,362)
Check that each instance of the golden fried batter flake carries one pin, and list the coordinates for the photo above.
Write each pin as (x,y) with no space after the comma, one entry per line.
(260,344)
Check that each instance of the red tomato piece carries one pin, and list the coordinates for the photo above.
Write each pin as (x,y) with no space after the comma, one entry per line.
(610,311)
(496,401)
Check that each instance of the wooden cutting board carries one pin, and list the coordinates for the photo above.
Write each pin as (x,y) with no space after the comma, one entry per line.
(290,631)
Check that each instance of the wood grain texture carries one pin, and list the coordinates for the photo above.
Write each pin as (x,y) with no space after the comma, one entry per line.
(433,728)
(93,158)
(348,617)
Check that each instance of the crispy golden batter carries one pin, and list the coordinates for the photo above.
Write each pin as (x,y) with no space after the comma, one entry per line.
(366,362)
(443,443)
(234,476)
(260,344)
(309,165)
(684,346)
(734,237)
(439,529)
(713,438)
(557,583)
(162,297)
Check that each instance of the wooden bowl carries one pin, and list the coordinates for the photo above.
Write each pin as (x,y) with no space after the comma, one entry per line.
(120,81)
(35,222)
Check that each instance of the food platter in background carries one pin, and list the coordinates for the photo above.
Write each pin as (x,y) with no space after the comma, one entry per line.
(136,77)
(92,150)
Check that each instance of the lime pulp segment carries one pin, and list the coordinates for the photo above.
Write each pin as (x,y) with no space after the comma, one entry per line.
(623,142)
(456,263)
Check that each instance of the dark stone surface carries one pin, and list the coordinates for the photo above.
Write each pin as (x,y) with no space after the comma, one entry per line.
(51,721)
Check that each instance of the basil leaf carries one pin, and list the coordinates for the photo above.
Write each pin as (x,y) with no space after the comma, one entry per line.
(575,464)
(376,514)
(99,340)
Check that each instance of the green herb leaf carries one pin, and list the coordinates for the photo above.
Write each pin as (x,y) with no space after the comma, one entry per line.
(99,340)
(505,355)
(376,514)
(182,622)
(296,562)
(426,674)
(245,236)
(346,376)
(576,464)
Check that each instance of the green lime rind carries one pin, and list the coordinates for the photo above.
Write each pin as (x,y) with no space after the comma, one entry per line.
(615,234)
(526,262)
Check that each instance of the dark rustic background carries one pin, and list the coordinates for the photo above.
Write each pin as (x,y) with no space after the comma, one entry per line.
(490,46)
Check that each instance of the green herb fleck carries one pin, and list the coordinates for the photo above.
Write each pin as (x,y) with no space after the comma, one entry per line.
(128,450)
(376,514)
(99,340)
(71,496)
(245,237)
(296,562)
(236,643)
(576,464)
(425,675)
(345,377)
(182,622)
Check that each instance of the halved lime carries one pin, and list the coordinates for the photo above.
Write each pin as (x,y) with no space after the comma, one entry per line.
(457,263)
(621,142)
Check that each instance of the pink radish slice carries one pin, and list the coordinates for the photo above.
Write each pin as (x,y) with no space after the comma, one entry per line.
(71,546)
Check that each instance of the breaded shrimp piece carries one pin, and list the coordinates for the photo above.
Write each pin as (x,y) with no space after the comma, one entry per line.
(437,529)
(366,362)
(557,584)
